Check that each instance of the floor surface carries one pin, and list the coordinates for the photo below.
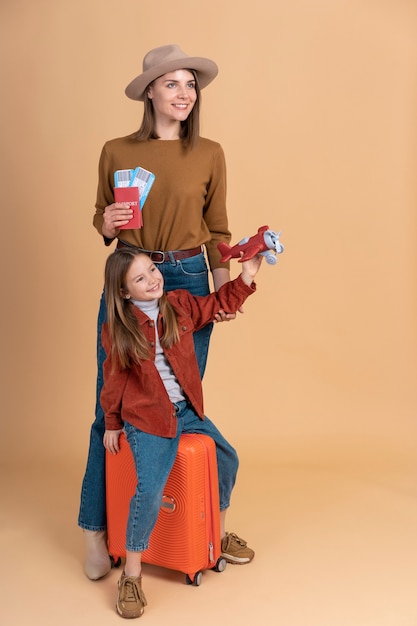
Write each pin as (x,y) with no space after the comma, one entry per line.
(332,549)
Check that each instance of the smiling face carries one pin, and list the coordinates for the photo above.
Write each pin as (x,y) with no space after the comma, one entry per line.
(173,96)
(143,280)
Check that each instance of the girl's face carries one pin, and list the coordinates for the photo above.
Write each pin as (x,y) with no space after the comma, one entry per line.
(143,280)
(173,96)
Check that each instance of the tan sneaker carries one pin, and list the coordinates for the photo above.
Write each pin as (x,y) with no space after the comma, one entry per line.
(235,550)
(131,600)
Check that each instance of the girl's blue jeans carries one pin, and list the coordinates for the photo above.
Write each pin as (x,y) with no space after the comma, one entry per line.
(154,457)
(191,274)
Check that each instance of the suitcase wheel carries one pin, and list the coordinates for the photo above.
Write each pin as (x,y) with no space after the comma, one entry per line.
(220,565)
(115,563)
(196,581)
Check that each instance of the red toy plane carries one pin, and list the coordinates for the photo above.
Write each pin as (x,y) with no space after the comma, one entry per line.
(265,242)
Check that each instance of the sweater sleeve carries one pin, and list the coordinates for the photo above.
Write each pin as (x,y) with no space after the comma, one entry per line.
(215,213)
(105,194)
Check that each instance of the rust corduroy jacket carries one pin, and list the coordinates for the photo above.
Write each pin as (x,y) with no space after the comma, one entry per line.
(137,394)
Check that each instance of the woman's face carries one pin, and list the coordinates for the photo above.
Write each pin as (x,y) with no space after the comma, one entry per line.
(143,280)
(173,96)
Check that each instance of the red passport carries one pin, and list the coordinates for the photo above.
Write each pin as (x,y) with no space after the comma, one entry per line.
(131,196)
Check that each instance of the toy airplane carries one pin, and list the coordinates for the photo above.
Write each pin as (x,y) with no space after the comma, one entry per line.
(265,242)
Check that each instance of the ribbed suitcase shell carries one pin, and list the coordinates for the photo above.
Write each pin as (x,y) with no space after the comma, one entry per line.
(186,536)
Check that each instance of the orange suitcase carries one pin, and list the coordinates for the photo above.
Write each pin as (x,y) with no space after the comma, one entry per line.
(186,536)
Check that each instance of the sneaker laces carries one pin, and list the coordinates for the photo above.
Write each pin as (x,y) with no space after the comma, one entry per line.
(238,540)
(131,591)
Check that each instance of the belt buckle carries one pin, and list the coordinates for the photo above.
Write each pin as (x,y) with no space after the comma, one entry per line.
(161,258)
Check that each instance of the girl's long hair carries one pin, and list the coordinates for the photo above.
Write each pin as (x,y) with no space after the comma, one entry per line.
(190,128)
(128,343)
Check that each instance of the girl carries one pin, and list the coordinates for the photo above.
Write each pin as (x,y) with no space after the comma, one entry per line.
(184,211)
(152,388)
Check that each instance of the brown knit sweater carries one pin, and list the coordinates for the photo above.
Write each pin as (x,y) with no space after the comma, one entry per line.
(186,206)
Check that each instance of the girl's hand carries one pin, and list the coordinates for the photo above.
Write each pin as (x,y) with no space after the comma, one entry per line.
(111,440)
(250,268)
(116,215)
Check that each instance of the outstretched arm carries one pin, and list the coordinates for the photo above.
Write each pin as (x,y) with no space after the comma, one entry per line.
(221,276)
(250,268)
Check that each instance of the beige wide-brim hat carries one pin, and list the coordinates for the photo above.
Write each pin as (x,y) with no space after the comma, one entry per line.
(159,61)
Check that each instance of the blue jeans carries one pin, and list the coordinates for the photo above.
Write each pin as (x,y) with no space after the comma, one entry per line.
(154,457)
(191,274)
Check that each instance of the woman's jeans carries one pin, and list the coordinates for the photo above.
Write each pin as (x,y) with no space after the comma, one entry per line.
(191,274)
(154,457)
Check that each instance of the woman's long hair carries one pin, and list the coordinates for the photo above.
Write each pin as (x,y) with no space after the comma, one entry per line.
(127,340)
(190,128)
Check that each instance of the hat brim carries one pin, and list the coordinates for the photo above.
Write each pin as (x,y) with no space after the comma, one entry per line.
(205,69)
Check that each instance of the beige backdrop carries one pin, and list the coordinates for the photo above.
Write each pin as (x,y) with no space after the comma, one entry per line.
(315,106)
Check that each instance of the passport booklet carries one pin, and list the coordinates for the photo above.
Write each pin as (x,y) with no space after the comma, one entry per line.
(131,196)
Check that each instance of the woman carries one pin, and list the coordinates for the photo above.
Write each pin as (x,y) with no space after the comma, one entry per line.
(184,211)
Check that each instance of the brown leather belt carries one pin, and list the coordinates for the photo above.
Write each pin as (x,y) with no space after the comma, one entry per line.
(158,256)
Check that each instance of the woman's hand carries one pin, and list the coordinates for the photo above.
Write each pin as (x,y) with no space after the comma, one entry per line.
(222,316)
(111,440)
(116,215)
